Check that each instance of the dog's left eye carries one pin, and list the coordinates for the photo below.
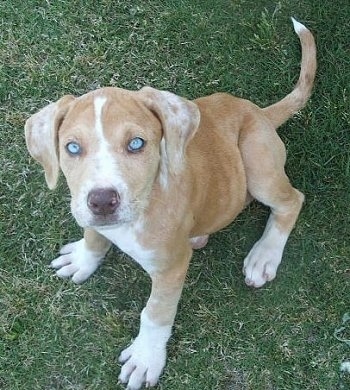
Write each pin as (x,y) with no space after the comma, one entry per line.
(136,144)
(73,148)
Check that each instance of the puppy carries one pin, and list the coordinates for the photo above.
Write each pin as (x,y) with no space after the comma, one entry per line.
(156,174)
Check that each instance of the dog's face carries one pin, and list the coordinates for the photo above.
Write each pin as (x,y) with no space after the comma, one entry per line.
(112,146)
(109,154)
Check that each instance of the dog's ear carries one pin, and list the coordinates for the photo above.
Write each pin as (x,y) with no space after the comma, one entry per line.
(180,120)
(41,132)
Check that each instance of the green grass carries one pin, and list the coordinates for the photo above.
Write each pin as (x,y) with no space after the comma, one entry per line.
(55,335)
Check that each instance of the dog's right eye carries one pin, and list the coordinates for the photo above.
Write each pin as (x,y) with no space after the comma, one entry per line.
(136,144)
(73,148)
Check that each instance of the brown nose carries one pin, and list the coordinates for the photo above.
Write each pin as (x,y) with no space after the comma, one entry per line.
(103,201)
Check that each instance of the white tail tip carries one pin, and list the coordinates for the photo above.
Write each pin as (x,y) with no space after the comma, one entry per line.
(298,27)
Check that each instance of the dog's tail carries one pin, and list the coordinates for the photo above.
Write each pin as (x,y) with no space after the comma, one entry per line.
(279,112)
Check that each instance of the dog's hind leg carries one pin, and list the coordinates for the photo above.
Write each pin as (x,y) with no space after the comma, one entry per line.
(264,156)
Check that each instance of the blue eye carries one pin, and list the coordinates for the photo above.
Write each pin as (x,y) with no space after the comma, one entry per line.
(136,144)
(73,148)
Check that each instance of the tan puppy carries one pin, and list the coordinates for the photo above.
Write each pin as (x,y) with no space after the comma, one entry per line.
(156,174)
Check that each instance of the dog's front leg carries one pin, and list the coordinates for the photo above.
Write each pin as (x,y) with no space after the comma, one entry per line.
(80,259)
(145,358)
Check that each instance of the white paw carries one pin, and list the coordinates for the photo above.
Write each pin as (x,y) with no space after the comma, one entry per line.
(145,358)
(76,261)
(142,365)
(260,266)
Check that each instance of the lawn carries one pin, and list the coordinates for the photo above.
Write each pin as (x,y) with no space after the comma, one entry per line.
(290,334)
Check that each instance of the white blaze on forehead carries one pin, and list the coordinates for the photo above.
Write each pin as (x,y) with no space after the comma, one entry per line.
(106,172)
(98,105)
(103,157)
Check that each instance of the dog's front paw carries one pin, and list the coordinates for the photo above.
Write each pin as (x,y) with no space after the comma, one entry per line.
(143,364)
(145,358)
(76,261)
(260,266)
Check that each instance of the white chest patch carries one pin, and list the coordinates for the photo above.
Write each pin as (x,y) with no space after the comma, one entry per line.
(124,238)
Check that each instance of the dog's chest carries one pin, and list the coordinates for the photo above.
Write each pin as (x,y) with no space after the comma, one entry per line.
(125,238)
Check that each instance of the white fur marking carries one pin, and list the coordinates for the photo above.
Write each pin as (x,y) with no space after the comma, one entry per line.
(98,105)
(145,358)
(105,168)
(76,261)
(298,27)
(260,266)
(124,237)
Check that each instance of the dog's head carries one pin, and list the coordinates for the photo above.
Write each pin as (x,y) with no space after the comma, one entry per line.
(112,146)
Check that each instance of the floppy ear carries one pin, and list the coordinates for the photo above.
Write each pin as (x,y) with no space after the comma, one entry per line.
(180,120)
(41,132)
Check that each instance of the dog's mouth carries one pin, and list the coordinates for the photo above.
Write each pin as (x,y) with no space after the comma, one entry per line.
(119,217)
(87,219)
(106,221)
